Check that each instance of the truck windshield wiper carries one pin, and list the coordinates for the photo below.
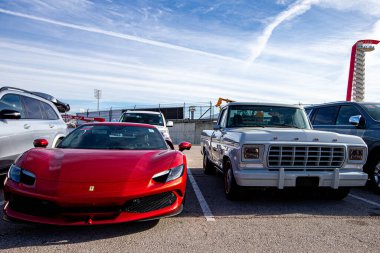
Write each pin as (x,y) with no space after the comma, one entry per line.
(286,125)
(250,126)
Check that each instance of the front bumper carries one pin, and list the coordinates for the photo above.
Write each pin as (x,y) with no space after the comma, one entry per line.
(284,178)
(21,205)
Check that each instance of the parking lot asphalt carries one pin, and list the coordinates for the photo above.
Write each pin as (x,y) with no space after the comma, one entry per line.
(264,221)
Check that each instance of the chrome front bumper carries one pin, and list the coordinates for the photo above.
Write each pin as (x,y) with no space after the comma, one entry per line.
(284,178)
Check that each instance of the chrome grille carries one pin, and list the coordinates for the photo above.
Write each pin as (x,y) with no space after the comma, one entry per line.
(305,156)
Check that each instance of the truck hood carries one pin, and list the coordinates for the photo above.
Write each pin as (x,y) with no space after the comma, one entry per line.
(292,135)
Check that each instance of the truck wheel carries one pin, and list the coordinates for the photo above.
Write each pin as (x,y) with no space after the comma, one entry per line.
(376,177)
(208,167)
(231,189)
(338,194)
(373,170)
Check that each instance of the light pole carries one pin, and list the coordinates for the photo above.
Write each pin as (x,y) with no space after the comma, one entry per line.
(97,95)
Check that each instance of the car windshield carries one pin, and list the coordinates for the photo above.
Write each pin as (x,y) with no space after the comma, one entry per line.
(114,137)
(146,118)
(373,110)
(267,116)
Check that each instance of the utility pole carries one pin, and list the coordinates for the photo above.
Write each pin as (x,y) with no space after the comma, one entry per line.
(98,95)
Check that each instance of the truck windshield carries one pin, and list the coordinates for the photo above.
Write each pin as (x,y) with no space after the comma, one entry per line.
(145,118)
(373,110)
(267,116)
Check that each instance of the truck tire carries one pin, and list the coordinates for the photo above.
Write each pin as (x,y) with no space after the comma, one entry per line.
(374,175)
(231,189)
(338,194)
(208,167)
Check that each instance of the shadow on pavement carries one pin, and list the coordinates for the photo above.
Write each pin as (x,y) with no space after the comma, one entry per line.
(289,202)
(25,235)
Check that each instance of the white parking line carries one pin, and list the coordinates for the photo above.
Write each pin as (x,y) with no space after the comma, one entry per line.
(365,200)
(202,202)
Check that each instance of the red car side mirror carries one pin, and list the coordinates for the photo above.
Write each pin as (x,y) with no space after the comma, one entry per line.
(184,146)
(40,143)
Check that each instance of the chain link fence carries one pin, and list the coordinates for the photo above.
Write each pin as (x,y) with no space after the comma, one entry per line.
(191,111)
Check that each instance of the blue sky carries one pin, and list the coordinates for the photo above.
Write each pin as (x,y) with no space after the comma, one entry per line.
(150,52)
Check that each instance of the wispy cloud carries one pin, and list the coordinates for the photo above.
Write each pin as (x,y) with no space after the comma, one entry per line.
(119,35)
(293,11)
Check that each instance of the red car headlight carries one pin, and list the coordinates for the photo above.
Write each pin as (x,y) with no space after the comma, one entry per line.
(19,175)
(169,175)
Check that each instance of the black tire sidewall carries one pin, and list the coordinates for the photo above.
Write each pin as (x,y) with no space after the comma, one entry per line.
(233,194)
(371,171)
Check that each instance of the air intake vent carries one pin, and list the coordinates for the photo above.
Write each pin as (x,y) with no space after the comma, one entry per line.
(150,203)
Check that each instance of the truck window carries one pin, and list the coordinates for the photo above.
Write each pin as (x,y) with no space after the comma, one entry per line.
(222,121)
(326,115)
(345,112)
(373,110)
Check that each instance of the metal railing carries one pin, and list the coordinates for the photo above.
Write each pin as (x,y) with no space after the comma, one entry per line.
(192,111)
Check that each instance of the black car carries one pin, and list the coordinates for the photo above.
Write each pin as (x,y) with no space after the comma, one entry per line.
(356,118)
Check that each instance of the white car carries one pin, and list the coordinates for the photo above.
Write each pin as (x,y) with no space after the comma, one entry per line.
(25,117)
(156,119)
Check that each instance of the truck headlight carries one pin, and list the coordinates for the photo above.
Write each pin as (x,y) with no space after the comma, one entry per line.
(252,152)
(355,154)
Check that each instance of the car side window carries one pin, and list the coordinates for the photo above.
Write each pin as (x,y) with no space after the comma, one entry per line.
(326,115)
(49,111)
(345,112)
(13,102)
(32,108)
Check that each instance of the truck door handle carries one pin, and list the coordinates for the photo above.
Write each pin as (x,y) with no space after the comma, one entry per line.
(26,126)
(51,125)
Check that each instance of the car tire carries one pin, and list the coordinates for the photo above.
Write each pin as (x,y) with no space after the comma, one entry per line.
(231,189)
(208,166)
(338,194)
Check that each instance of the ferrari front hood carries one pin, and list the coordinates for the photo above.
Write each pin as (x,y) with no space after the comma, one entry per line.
(84,165)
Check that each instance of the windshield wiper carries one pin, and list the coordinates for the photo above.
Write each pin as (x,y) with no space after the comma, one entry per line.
(248,126)
(286,125)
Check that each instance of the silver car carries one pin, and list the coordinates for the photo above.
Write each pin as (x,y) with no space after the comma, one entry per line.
(24,117)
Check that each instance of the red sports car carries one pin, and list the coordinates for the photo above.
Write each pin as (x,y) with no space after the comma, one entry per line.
(100,173)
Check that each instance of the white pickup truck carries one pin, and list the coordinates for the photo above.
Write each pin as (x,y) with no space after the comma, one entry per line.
(274,145)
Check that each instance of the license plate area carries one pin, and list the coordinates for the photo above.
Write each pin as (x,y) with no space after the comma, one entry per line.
(310,182)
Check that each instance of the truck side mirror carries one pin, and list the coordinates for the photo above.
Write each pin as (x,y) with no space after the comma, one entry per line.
(10,114)
(169,124)
(357,121)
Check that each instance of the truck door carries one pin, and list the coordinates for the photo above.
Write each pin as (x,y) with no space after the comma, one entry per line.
(216,143)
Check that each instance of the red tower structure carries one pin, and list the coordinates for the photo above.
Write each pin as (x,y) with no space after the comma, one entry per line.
(355,86)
